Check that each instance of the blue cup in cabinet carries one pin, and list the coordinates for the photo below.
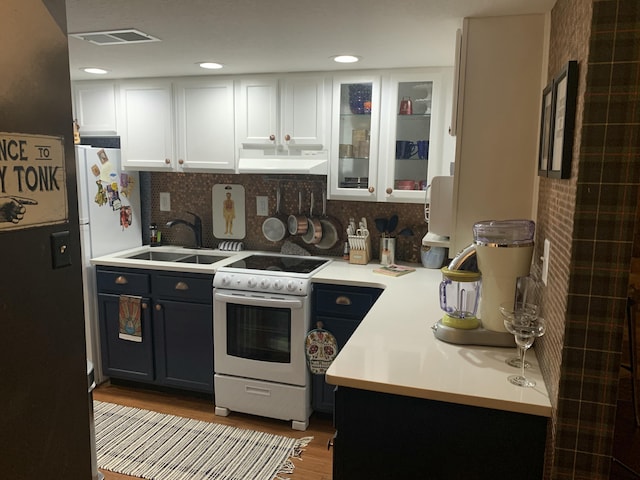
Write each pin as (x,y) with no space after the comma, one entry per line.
(405,149)
(423,149)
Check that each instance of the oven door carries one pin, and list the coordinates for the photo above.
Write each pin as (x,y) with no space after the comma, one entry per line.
(260,336)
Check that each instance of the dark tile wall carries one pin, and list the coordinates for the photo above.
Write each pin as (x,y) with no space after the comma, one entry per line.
(590,222)
(193,192)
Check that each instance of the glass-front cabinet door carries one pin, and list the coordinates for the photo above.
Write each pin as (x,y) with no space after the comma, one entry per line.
(355,137)
(411,150)
(388,134)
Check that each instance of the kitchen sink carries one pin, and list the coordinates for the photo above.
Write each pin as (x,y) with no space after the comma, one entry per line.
(159,256)
(204,259)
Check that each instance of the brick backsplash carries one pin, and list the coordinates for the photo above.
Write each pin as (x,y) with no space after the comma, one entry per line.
(193,192)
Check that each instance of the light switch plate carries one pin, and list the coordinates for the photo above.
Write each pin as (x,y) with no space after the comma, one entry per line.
(60,252)
(262,206)
(545,260)
(165,202)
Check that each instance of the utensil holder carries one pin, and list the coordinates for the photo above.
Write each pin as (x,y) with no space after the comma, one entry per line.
(360,256)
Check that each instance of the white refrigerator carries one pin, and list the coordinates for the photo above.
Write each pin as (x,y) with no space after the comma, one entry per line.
(109,211)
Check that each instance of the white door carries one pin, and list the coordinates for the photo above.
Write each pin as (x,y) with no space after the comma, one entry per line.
(257,115)
(303,106)
(146,125)
(205,125)
(95,107)
(355,129)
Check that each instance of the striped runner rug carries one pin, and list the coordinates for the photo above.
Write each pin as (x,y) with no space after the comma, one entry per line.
(150,445)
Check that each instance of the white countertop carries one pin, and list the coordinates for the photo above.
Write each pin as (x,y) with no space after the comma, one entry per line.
(395,351)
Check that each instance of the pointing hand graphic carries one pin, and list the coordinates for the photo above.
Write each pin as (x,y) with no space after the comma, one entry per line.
(12,208)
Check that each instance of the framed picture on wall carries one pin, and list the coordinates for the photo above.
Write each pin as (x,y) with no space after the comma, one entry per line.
(565,87)
(546,126)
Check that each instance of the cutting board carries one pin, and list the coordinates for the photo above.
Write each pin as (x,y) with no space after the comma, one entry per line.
(228,211)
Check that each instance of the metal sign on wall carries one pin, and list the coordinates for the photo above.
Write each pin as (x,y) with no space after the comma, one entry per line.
(33,189)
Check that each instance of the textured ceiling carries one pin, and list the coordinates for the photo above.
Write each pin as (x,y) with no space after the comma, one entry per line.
(254,36)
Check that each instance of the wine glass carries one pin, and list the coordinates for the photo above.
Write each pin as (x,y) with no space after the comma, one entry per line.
(507,309)
(525,291)
(523,322)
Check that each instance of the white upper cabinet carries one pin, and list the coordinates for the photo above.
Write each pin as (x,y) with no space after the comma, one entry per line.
(145,124)
(281,112)
(388,135)
(414,143)
(500,85)
(94,107)
(355,131)
(205,125)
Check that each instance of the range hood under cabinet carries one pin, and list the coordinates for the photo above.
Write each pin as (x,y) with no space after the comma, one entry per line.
(282,159)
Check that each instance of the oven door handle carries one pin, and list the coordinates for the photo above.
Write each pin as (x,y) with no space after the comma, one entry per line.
(257,301)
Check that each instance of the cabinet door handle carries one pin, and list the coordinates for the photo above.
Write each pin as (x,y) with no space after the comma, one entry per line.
(371,189)
(144,305)
(167,161)
(121,280)
(158,307)
(342,300)
(272,137)
(181,161)
(287,137)
(389,190)
(181,286)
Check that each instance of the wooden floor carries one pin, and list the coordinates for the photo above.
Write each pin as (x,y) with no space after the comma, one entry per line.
(315,463)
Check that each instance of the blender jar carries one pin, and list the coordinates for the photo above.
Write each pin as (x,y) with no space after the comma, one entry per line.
(459,295)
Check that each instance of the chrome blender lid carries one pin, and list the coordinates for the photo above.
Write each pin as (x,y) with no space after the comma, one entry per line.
(504,233)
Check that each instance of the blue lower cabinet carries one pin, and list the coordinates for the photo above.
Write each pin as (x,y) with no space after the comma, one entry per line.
(183,337)
(338,309)
(381,435)
(121,356)
(176,316)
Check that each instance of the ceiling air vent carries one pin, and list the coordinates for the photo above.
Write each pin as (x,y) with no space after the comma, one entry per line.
(115,37)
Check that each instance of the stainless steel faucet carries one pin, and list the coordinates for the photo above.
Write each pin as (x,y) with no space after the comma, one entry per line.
(196,226)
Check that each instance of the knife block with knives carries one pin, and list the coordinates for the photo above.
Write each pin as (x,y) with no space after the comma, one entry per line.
(359,242)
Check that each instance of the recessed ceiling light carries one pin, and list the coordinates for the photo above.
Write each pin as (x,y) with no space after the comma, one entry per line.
(96,71)
(346,59)
(210,65)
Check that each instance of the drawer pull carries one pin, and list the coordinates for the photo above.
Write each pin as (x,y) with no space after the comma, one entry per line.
(181,286)
(121,280)
(342,300)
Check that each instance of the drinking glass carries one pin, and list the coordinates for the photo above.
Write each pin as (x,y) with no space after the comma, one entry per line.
(522,320)
(525,292)
(507,309)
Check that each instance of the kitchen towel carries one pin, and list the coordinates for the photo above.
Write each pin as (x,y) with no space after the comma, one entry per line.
(129,318)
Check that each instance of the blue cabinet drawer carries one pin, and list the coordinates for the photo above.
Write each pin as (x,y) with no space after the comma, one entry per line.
(344,301)
(179,286)
(123,281)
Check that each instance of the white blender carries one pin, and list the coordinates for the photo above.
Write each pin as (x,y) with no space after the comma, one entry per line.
(502,251)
